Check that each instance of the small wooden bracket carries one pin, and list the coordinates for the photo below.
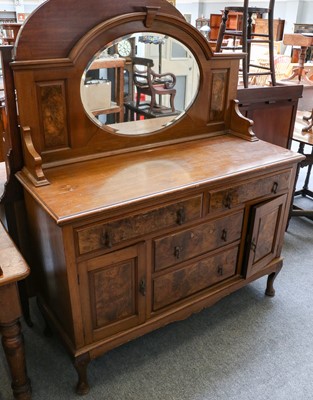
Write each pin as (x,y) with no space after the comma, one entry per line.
(240,125)
(151,14)
(33,161)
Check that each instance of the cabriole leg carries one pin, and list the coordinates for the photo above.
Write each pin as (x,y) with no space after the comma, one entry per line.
(270,291)
(81,364)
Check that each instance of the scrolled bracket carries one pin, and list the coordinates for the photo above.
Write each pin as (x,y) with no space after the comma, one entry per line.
(240,125)
(33,161)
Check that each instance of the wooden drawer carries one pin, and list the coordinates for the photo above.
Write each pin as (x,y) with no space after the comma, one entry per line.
(193,278)
(235,195)
(106,235)
(186,244)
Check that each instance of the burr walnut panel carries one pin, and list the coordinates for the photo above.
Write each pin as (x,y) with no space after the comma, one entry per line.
(110,285)
(218,94)
(52,112)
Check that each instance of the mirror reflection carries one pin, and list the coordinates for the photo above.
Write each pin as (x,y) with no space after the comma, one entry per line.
(139,83)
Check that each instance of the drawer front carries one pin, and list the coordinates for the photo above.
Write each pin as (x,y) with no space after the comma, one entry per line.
(106,235)
(181,246)
(193,278)
(229,198)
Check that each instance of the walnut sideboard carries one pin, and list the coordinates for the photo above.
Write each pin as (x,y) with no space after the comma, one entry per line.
(135,225)
(137,241)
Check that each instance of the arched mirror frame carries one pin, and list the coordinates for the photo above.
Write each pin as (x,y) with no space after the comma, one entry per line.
(115,28)
(82,138)
(111,103)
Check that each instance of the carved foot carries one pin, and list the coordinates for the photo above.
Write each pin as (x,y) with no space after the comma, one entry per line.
(270,291)
(81,364)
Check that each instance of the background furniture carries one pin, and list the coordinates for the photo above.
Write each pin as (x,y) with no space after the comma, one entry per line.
(304,40)
(149,83)
(116,105)
(248,37)
(13,268)
(261,26)
(273,111)
(303,136)
(304,28)
(131,232)
(10,32)
(234,22)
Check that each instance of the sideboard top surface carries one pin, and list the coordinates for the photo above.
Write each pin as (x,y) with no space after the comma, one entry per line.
(94,186)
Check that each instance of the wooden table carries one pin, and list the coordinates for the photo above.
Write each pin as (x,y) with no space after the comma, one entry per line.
(304,136)
(304,40)
(12,269)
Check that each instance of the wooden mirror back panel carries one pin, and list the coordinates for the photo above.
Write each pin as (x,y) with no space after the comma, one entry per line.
(54,125)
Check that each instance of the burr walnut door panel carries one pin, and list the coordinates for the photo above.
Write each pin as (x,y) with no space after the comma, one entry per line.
(113,292)
(265,233)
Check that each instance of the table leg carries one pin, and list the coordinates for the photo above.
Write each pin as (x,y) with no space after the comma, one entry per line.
(13,342)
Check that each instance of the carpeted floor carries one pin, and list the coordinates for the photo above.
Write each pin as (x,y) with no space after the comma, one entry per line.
(248,346)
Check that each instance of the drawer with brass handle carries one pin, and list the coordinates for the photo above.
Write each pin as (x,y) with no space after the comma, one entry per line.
(236,195)
(105,235)
(183,245)
(193,278)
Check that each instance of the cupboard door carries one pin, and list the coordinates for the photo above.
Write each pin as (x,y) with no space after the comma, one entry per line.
(265,232)
(113,292)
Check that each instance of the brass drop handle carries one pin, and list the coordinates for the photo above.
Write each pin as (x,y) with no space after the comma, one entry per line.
(181,216)
(106,239)
(224,235)
(142,287)
(227,200)
(177,252)
(275,187)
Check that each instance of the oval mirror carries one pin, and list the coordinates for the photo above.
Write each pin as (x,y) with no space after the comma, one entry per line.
(139,84)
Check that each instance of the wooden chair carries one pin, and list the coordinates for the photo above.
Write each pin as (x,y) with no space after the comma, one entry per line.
(248,37)
(150,83)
